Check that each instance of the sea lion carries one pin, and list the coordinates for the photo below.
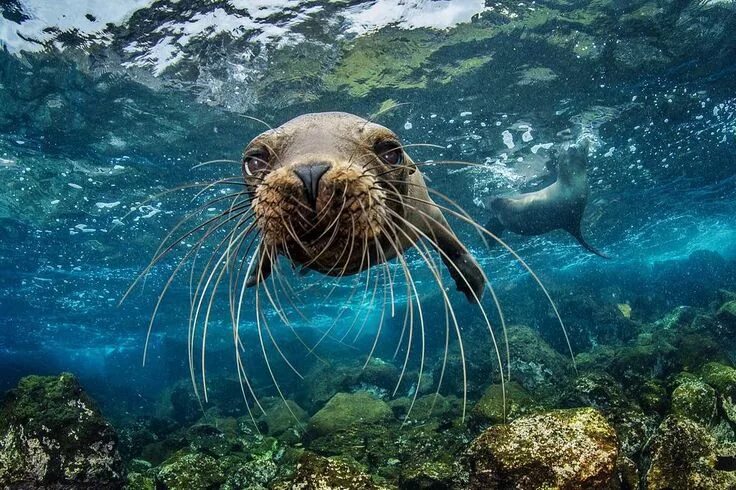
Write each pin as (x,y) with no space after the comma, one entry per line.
(559,206)
(337,194)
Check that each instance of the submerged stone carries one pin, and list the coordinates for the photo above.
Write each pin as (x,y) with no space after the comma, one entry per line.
(319,473)
(490,408)
(345,410)
(187,471)
(727,315)
(696,401)
(53,434)
(575,448)
(683,457)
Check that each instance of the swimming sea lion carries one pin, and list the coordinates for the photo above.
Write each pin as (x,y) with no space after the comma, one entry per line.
(338,194)
(559,206)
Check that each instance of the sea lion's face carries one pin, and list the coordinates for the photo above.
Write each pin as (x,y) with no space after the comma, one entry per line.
(324,188)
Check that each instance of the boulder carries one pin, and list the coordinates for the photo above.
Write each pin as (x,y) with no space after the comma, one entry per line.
(566,449)
(53,435)
(696,401)
(683,456)
(727,315)
(345,410)
(490,410)
(319,473)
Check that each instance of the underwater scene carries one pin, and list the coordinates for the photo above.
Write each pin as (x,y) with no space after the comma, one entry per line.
(363,244)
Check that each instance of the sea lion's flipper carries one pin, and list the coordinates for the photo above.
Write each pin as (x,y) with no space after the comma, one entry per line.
(494,226)
(463,268)
(264,263)
(579,237)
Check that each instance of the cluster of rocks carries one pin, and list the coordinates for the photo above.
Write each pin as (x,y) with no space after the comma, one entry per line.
(657,412)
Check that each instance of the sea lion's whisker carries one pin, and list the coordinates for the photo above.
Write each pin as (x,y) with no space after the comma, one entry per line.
(213,162)
(169,281)
(220,263)
(365,292)
(257,120)
(427,257)
(259,316)
(387,276)
(521,261)
(411,295)
(350,298)
(158,255)
(452,312)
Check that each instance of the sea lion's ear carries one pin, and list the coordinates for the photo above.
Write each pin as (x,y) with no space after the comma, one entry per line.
(262,268)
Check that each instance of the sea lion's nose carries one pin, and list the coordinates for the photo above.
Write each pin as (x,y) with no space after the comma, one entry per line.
(310,175)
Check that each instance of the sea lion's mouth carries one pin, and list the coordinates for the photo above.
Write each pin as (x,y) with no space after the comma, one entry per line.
(326,227)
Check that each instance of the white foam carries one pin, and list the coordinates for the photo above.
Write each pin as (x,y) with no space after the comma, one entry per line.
(508,139)
(107,205)
(411,14)
(64,15)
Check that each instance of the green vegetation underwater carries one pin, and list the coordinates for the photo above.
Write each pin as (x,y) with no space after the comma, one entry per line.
(595,350)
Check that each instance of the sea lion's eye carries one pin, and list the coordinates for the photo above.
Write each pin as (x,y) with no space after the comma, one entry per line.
(390,152)
(255,160)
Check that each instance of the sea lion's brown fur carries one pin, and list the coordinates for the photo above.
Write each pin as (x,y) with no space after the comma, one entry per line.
(361,201)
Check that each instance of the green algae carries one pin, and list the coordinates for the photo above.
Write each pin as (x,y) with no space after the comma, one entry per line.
(575,448)
(345,410)
(695,400)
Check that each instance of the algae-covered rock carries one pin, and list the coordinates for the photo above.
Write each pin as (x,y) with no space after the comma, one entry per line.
(281,416)
(574,448)
(429,475)
(51,433)
(349,409)
(138,481)
(490,408)
(727,315)
(695,400)
(720,377)
(683,456)
(194,470)
(535,365)
(319,473)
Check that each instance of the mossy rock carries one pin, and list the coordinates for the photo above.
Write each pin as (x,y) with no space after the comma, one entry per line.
(282,416)
(695,400)
(574,448)
(429,475)
(319,473)
(683,457)
(490,408)
(138,481)
(433,406)
(727,315)
(345,410)
(536,366)
(52,433)
(380,373)
(185,471)
(721,377)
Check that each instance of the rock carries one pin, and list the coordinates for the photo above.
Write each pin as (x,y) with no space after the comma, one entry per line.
(318,473)
(574,448)
(137,481)
(345,410)
(428,406)
(428,475)
(185,471)
(280,418)
(52,434)
(490,410)
(380,373)
(536,366)
(696,401)
(683,456)
(727,315)
(720,377)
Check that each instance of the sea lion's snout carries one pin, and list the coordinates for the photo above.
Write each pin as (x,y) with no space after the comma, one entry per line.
(310,175)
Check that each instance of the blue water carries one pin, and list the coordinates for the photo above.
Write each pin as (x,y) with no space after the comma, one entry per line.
(88,131)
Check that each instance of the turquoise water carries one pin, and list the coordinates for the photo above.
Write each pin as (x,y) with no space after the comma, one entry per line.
(103,108)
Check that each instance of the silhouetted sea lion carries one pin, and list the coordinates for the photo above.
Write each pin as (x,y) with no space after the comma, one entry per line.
(559,206)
